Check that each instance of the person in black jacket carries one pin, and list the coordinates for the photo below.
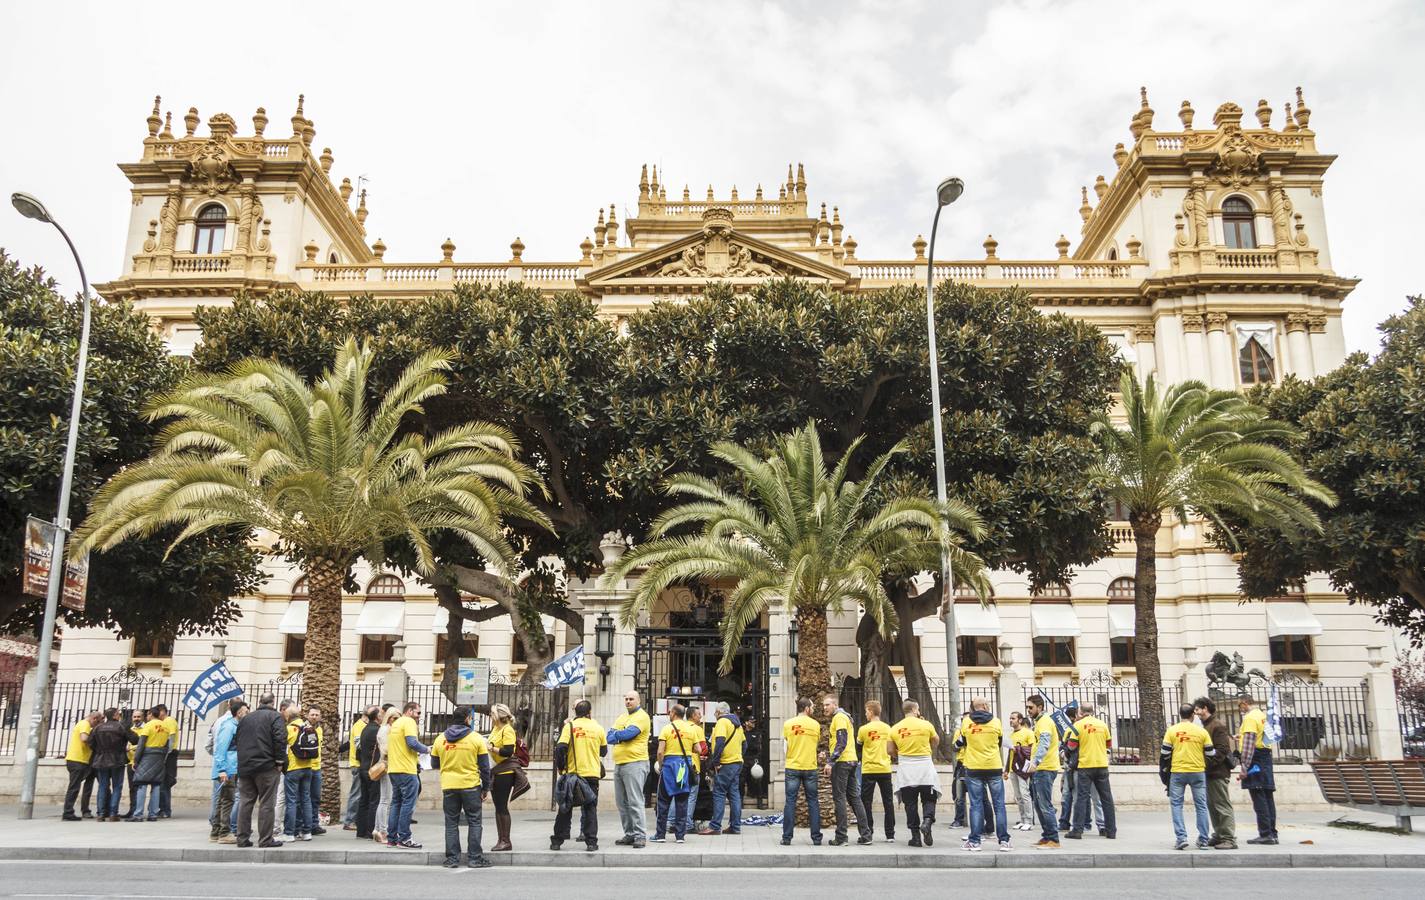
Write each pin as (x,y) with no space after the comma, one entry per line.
(110,743)
(366,755)
(261,743)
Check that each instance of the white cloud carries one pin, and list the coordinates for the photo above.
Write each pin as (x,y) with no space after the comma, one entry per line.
(484,123)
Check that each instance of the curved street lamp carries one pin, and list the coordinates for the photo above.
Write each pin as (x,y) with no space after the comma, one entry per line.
(32,208)
(947,193)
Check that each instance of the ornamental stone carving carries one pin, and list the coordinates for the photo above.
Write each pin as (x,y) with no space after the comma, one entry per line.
(1296,321)
(1238,163)
(210,170)
(1145,333)
(1192,322)
(1217,321)
(168,220)
(1316,324)
(716,255)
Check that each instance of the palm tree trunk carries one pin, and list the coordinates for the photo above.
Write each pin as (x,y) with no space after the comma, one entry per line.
(321,667)
(1151,721)
(814,683)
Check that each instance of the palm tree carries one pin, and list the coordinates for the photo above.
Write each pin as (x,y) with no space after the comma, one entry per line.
(1197,452)
(331,477)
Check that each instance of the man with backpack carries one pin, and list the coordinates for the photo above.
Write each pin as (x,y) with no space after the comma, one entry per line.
(304,775)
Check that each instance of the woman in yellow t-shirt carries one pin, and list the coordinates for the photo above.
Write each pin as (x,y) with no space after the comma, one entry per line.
(507,773)
(1021,749)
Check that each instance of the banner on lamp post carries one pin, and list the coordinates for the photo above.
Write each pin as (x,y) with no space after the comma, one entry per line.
(40,537)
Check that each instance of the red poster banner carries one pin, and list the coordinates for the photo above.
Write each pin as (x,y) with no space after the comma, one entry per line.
(39,550)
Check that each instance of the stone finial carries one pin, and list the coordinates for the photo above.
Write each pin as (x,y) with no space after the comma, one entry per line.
(222,126)
(1100,187)
(190,121)
(447,250)
(1085,210)
(1303,112)
(687,195)
(1120,155)
(1062,245)
(361,210)
(1185,114)
(655,185)
(823,220)
(759,191)
(309,131)
(167,133)
(1134,247)
(311,250)
(710,194)
(801,182)
(1264,113)
(1301,239)
(782,192)
(265,244)
(299,119)
(155,118)
(345,190)
(734,193)
(378,249)
(663,193)
(1228,115)
(643,183)
(259,121)
(990,245)
(586,247)
(516,250)
(612,233)
(1143,119)
(850,246)
(918,245)
(1290,120)
(326,160)
(791,184)
(599,229)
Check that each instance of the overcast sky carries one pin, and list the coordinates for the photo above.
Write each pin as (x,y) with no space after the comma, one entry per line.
(482,121)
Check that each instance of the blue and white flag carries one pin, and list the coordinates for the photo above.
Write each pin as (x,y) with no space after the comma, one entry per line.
(211,688)
(566,670)
(1274,717)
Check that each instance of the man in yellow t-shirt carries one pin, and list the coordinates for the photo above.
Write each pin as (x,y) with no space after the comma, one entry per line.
(1183,760)
(403,752)
(677,771)
(303,782)
(914,740)
(1044,768)
(1091,775)
(725,761)
(801,734)
(841,766)
(353,794)
(875,738)
(979,741)
(577,754)
(167,731)
(629,739)
(76,761)
(1021,749)
(1258,773)
(464,782)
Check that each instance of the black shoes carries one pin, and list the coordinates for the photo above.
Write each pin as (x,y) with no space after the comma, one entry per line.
(451,863)
(591,846)
(270,845)
(864,839)
(243,845)
(838,841)
(624,841)
(1074,835)
(555,844)
(69,817)
(318,830)
(786,842)
(927,832)
(479,862)
(915,839)
(1267,841)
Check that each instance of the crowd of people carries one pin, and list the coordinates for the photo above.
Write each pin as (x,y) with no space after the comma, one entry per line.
(267,762)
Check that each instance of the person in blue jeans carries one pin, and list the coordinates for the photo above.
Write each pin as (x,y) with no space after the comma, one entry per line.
(801,733)
(403,751)
(726,760)
(1044,764)
(1183,765)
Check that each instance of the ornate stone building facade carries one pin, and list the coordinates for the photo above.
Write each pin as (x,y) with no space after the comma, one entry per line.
(1203,254)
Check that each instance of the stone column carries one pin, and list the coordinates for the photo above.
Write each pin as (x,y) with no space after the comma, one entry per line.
(1381,707)
(1168,347)
(393,686)
(1327,350)
(1299,345)
(1194,680)
(1219,352)
(1196,345)
(1009,687)
(782,696)
(1143,340)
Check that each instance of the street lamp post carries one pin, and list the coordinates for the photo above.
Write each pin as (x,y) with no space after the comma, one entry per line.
(33,209)
(947,193)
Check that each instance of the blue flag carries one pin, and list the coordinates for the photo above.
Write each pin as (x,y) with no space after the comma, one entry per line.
(566,670)
(211,688)
(1274,718)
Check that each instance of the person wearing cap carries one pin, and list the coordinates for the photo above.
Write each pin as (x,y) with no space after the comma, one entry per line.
(726,762)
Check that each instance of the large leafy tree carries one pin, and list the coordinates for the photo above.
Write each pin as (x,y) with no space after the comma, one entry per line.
(1190,451)
(1362,434)
(138,589)
(331,475)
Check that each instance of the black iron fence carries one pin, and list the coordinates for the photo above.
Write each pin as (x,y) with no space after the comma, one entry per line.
(853,699)
(126,690)
(1134,741)
(1318,721)
(1412,729)
(538,712)
(9,716)
(352,697)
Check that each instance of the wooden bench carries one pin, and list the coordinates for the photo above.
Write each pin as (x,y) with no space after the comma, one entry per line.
(1392,786)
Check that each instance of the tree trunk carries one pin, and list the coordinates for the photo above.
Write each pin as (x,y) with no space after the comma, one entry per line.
(814,683)
(876,680)
(1151,721)
(917,688)
(449,597)
(321,667)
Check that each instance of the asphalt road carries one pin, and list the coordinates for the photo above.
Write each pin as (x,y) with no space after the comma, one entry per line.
(145,881)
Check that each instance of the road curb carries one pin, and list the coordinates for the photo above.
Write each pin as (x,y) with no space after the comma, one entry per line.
(949,859)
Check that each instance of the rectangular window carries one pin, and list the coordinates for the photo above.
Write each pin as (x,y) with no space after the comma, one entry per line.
(1292,649)
(153,647)
(1053,651)
(470,649)
(978,651)
(378,648)
(296,648)
(517,654)
(1121,652)
(1239,234)
(1256,349)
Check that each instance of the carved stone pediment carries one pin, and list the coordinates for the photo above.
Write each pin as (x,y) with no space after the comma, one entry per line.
(209,167)
(1238,162)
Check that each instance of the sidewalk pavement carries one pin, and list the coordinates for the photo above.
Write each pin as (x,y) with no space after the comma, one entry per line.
(1145,840)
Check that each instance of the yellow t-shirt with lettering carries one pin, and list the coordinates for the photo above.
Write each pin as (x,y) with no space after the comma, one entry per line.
(585,739)
(1187,740)
(1094,741)
(635,750)
(294,728)
(400,759)
(801,734)
(733,740)
(460,761)
(982,744)
(874,738)
(688,746)
(1042,726)
(693,748)
(1254,722)
(504,736)
(354,739)
(912,735)
(79,750)
(1020,737)
(839,723)
(156,732)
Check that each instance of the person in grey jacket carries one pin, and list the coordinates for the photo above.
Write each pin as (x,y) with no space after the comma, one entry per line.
(261,747)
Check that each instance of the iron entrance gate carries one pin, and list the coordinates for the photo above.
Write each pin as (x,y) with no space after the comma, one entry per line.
(681,664)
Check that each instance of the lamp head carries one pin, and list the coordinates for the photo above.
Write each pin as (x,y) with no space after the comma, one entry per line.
(949,191)
(29,207)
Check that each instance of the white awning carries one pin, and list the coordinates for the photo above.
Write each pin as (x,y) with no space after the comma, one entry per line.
(294,620)
(1294,618)
(1121,622)
(974,620)
(382,617)
(442,618)
(1054,620)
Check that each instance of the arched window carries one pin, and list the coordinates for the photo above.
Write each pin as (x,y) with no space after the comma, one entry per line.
(1238,230)
(381,623)
(294,648)
(1121,589)
(1121,623)
(212,226)
(1056,591)
(331,258)
(386,587)
(1113,253)
(299,589)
